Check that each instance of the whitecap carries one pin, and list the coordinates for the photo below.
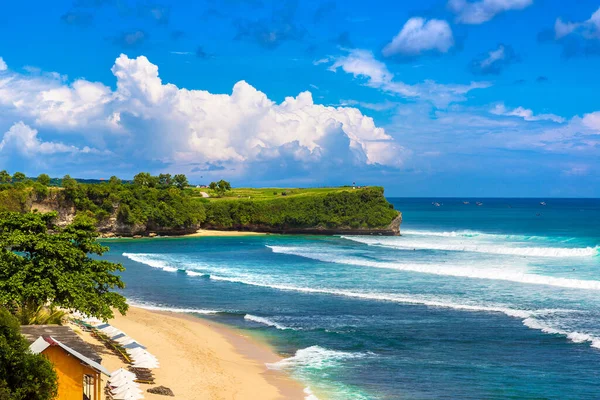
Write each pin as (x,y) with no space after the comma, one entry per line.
(264,321)
(502,249)
(446,270)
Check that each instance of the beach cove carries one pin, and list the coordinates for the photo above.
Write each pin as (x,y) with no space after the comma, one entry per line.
(471,302)
(200,359)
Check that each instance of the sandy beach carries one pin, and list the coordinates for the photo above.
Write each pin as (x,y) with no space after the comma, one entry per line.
(209,232)
(200,359)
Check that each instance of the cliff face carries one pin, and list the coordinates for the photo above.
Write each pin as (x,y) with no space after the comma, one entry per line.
(55,201)
(347,213)
(393,229)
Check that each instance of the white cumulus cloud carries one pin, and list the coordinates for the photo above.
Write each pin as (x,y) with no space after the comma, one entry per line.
(23,139)
(588,29)
(145,118)
(419,35)
(526,114)
(481,11)
(362,64)
(3,66)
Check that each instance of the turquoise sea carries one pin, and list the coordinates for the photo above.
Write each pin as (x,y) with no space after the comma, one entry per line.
(494,301)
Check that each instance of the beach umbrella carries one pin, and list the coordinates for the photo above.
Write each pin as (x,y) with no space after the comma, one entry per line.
(126,389)
(122,380)
(128,396)
(121,372)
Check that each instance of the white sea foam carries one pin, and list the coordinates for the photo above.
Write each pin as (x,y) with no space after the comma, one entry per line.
(474,234)
(575,337)
(446,270)
(503,249)
(151,260)
(314,357)
(193,273)
(153,307)
(309,395)
(264,321)
(381,297)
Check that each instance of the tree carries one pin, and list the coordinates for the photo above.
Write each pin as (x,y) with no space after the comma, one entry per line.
(42,264)
(180,181)
(220,187)
(145,179)
(114,181)
(43,179)
(19,177)
(164,180)
(23,375)
(4,177)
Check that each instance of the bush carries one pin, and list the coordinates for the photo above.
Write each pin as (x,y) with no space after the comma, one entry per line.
(23,375)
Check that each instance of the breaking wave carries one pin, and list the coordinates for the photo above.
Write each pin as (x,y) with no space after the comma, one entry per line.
(446,270)
(407,244)
(264,321)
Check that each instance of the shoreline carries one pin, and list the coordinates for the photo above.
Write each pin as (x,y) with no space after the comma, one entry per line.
(201,359)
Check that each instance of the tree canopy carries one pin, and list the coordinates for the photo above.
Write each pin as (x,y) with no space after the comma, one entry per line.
(220,187)
(43,264)
(23,375)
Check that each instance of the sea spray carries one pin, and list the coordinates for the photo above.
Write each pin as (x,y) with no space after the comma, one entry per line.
(445,269)
(265,321)
(407,244)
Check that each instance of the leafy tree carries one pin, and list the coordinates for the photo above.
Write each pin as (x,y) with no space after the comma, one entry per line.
(114,181)
(23,375)
(43,264)
(164,180)
(145,179)
(43,179)
(19,177)
(220,187)
(4,177)
(181,181)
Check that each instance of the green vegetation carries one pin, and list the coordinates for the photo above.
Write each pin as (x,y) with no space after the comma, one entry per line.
(43,265)
(166,204)
(270,193)
(220,188)
(363,208)
(23,375)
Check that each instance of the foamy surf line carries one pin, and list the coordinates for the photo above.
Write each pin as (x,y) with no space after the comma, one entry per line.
(265,321)
(446,270)
(526,316)
(152,307)
(407,244)
(575,337)
(150,260)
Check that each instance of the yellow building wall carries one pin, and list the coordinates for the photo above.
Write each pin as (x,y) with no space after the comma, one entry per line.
(70,373)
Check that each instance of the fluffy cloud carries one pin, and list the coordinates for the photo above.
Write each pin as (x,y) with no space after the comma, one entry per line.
(24,140)
(362,64)
(580,38)
(589,29)
(146,119)
(495,61)
(482,11)
(3,66)
(592,121)
(526,114)
(418,36)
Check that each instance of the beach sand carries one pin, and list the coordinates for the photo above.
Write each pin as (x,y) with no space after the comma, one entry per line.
(200,359)
(209,232)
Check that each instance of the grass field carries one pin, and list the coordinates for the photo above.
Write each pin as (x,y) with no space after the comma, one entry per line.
(269,193)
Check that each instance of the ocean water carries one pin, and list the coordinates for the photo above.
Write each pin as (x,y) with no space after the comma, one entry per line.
(494,301)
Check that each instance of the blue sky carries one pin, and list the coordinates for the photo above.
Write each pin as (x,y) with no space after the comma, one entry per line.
(440,98)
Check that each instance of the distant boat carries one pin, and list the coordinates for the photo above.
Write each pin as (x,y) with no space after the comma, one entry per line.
(542,203)
(436,204)
(465,202)
(479,203)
